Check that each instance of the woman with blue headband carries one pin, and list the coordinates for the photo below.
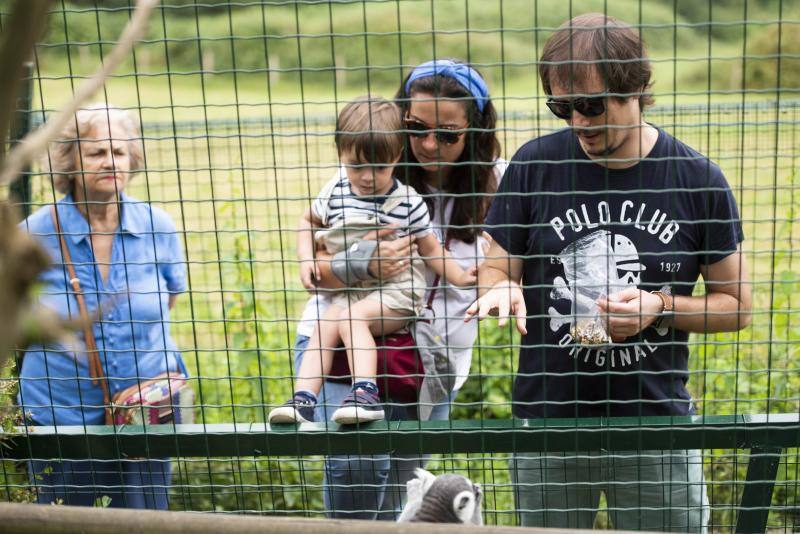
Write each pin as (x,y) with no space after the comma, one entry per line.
(452,146)
(451,158)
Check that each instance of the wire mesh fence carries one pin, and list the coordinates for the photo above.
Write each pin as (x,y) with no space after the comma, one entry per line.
(238,105)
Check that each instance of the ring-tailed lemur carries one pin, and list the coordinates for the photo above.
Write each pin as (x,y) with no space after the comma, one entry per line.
(442,499)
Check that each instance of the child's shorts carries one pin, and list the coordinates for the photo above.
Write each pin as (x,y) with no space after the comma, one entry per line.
(403,293)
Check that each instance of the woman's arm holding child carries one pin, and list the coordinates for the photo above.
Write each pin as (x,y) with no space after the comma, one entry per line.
(309,270)
(389,259)
(439,259)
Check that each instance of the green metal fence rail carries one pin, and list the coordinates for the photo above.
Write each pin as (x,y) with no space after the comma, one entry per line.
(408,437)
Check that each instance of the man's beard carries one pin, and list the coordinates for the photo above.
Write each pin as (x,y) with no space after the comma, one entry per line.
(606,152)
(608,149)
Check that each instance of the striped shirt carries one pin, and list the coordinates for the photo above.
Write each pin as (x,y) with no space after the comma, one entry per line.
(400,206)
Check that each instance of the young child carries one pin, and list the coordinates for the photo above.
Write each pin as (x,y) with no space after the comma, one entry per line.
(361,198)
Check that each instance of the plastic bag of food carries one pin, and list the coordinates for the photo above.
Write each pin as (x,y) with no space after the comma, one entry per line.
(591,272)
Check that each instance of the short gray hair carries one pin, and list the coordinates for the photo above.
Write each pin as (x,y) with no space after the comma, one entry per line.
(61,159)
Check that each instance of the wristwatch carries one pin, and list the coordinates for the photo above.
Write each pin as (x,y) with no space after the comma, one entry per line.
(667,315)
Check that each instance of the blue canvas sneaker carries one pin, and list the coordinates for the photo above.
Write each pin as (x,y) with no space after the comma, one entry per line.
(298,409)
(359,406)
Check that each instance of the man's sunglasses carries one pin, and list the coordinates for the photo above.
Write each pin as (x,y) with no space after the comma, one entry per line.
(588,106)
(421,130)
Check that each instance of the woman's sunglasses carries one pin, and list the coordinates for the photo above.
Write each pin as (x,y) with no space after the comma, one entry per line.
(588,106)
(421,130)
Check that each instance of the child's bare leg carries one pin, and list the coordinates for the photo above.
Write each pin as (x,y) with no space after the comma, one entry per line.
(317,361)
(359,324)
(357,328)
(318,357)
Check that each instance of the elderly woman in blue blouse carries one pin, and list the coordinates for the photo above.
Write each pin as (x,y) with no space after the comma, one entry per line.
(130,264)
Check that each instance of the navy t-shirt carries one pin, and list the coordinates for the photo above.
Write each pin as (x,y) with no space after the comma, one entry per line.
(657,222)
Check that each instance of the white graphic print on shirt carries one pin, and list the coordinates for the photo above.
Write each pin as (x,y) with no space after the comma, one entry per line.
(627,271)
(603,216)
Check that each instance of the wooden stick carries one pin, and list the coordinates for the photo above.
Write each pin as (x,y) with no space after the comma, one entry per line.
(36,142)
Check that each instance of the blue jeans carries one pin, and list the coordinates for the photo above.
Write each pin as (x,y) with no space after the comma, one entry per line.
(366,487)
(140,484)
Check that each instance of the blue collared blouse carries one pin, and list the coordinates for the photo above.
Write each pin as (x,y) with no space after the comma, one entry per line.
(132,333)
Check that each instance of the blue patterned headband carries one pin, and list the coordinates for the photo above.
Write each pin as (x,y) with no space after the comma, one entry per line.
(463,74)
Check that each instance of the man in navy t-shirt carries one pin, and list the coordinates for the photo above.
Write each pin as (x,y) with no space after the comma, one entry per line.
(610,217)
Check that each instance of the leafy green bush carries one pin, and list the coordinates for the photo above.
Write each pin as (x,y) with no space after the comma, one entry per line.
(258,353)
(363,47)
(777,45)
